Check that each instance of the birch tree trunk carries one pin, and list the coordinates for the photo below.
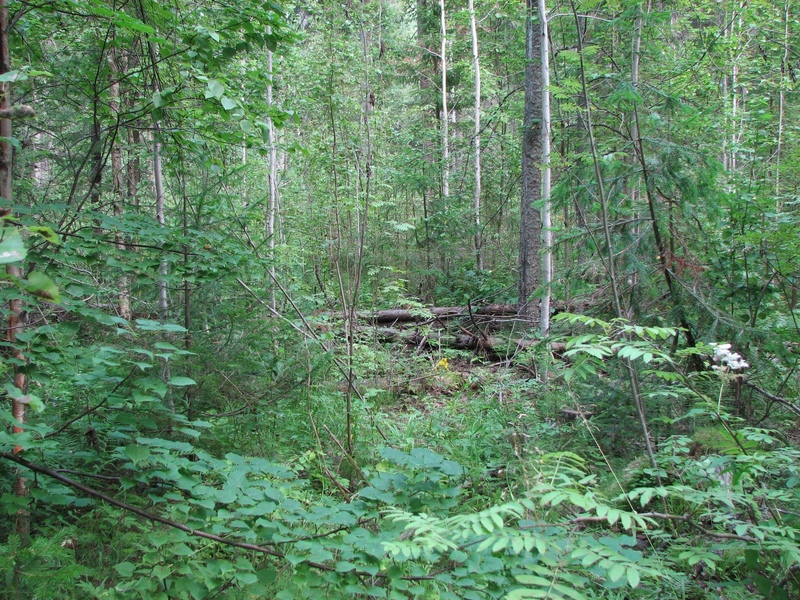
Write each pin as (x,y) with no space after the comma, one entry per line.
(547,231)
(158,185)
(781,103)
(123,291)
(477,138)
(273,180)
(530,226)
(445,111)
(163,305)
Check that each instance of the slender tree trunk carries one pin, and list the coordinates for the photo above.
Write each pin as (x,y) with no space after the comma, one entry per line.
(530,226)
(187,296)
(781,103)
(445,111)
(123,291)
(547,230)
(273,179)
(426,283)
(15,322)
(158,184)
(477,138)
(163,303)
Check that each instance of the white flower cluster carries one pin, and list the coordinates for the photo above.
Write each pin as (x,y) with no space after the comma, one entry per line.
(727,360)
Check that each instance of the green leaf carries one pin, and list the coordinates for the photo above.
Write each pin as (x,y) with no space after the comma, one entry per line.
(182,381)
(159,100)
(616,572)
(227,103)
(137,453)
(215,89)
(12,76)
(126,569)
(161,571)
(246,578)
(12,247)
(13,141)
(45,232)
(633,577)
(42,286)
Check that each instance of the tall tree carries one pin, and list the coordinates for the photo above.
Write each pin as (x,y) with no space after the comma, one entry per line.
(547,231)
(14,271)
(530,225)
(445,117)
(477,138)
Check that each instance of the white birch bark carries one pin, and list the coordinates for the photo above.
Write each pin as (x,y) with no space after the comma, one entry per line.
(445,111)
(273,180)
(477,139)
(547,231)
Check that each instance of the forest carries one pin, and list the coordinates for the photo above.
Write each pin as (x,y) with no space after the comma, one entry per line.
(398,299)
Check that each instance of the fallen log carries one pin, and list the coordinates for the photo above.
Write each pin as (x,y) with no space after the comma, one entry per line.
(441,313)
(459,341)
(409,315)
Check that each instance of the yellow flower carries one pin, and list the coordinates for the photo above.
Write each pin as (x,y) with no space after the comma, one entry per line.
(443,364)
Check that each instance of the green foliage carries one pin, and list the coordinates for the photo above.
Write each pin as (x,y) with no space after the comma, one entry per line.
(218,457)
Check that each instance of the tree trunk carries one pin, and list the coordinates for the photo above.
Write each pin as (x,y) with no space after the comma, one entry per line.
(273,180)
(163,304)
(123,291)
(445,111)
(477,139)
(15,323)
(547,231)
(781,104)
(530,226)
(400,315)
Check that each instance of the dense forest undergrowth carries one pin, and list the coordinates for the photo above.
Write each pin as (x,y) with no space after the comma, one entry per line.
(391,299)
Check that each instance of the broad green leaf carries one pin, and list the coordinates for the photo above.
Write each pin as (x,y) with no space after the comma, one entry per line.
(42,286)
(227,103)
(159,100)
(45,232)
(182,381)
(12,247)
(215,89)
(633,577)
(616,572)
(126,569)
(137,453)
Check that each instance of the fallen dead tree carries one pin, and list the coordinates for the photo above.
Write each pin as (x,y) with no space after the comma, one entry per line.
(455,327)
(502,312)
(496,346)
(438,337)
(422,315)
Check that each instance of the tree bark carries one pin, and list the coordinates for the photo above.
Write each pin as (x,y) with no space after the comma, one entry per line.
(273,179)
(445,111)
(547,231)
(402,315)
(530,227)
(123,288)
(477,139)
(15,323)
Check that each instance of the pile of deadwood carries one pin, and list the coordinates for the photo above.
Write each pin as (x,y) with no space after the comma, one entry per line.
(458,327)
